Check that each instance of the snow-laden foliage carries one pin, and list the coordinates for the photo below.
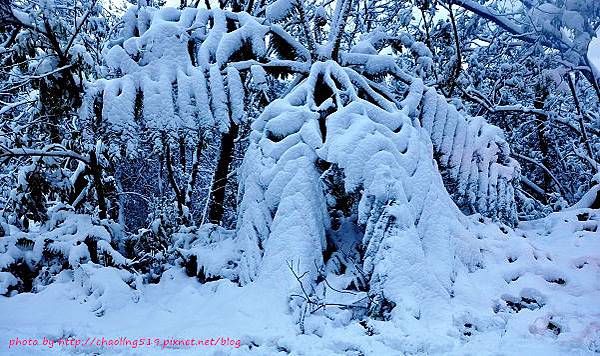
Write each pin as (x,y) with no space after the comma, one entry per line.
(166,73)
(39,183)
(540,89)
(209,253)
(48,50)
(334,123)
(473,155)
(32,259)
(167,84)
(179,87)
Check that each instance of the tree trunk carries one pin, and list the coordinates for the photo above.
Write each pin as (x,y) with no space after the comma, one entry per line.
(171,177)
(541,95)
(217,209)
(194,173)
(96,172)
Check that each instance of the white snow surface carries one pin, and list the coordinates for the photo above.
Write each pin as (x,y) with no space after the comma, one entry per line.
(545,272)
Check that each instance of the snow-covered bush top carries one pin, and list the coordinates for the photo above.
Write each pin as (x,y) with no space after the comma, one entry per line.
(177,72)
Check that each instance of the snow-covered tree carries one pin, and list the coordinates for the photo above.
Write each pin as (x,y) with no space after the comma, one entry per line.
(45,61)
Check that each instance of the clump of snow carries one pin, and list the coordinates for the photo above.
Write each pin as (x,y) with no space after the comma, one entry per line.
(7,280)
(280,9)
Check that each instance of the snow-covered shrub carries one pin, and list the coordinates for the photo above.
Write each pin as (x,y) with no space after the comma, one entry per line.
(335,120)
(106,288)
(65,241)
(149,247)
(208,253)
(37,185)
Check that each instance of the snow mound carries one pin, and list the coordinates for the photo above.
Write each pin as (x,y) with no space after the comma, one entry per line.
(106,288)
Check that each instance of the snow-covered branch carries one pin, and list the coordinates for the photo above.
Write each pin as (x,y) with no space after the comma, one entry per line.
(6,152)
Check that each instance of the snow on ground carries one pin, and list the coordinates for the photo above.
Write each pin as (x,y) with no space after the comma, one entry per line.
(537,292)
